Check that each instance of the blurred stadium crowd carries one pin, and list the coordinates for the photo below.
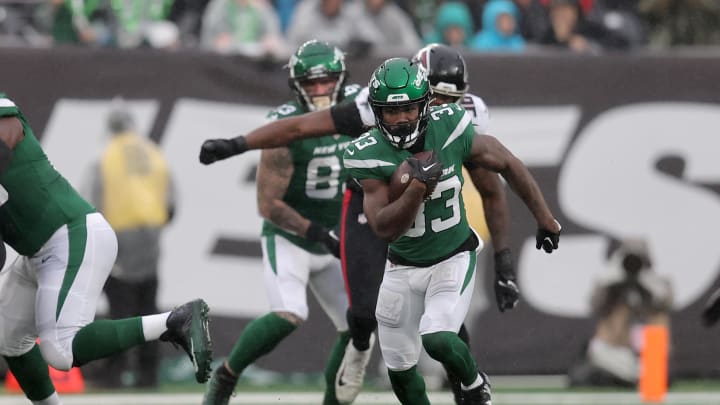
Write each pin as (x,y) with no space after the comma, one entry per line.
(271,29)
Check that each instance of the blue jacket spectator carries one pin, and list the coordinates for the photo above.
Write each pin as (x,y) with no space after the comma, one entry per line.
(453,25)
(285,10)
(500,28)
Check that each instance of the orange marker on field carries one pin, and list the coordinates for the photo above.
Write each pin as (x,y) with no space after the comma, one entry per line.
(653,382)
(68,382)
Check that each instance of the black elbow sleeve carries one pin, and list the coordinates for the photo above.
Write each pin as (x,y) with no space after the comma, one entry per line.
(347,120)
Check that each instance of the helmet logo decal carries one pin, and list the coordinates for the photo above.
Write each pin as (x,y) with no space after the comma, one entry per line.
(397,97)
(420,77)
(317,70)
(446,86)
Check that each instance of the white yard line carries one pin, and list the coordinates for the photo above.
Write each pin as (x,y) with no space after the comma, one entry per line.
(375,398)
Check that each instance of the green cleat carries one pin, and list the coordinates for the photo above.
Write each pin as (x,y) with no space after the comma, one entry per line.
(188,328)
(220,388)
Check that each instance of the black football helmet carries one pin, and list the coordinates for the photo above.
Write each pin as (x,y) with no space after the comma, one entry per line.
(446,70)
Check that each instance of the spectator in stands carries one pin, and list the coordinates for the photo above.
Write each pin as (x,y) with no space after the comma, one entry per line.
(569,29)
(247,27)
(122,24)
(476,8)
(391,30)
(285,10)
(682,22)
(453,25)
(533,20)
(329,21)
(71,24)
(132,188)
(499,30)
(622,18)
(18,25)
(422,13)
(188,15)
(627,297)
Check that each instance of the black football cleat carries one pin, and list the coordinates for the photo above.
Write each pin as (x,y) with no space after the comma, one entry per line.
(188,328)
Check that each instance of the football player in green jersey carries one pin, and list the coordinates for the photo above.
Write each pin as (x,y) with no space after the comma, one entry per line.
(299,191)
(429,279)
(354,118)
(50,291)
(363,253)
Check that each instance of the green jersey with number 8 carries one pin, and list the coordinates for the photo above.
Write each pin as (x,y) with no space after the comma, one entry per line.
(441,225)
(317,184)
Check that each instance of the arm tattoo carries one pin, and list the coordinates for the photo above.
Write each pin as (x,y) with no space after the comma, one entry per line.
(273,178)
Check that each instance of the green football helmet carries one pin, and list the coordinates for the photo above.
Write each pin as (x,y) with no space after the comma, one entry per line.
(314,60)
(399,83)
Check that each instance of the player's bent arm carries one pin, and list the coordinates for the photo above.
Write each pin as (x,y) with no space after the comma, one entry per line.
(490,154)
(273,178)
(389,220)
(11,132)
(282,132)
(494,200)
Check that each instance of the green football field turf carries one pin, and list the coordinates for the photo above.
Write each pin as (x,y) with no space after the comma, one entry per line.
(508,392)
(379,398)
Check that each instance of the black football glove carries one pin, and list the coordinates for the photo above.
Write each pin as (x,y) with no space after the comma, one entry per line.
(318,233)
(213,150)
(711,312)
(427,171)
(507,293)
(547,240)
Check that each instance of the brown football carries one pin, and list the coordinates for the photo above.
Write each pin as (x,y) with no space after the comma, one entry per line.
(402,176)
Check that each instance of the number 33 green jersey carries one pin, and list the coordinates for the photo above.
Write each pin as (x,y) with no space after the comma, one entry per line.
(440,226)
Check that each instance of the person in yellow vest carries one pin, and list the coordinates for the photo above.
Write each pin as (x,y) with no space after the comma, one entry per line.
(133,189)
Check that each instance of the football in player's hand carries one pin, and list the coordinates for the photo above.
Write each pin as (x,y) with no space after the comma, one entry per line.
(403,175)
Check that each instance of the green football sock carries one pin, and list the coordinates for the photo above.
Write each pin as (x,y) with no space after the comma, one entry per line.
(409,387)
(258,339)
(333,364)
(453,353)
(31,372)
(106,337)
